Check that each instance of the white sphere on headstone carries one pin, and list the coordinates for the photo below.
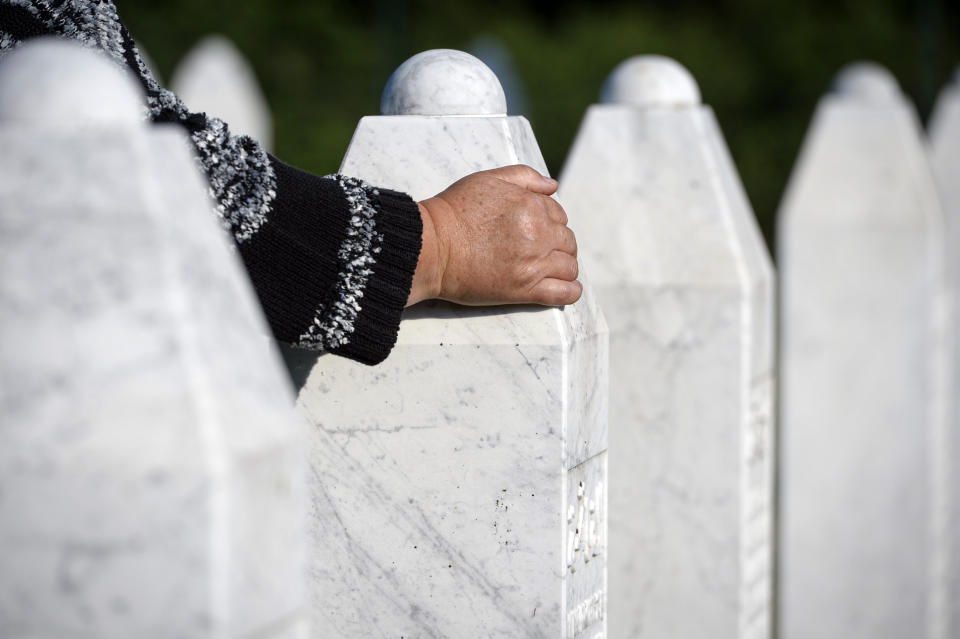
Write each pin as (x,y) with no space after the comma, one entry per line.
(866,81)
(650,81)
(443,82)
(99,90)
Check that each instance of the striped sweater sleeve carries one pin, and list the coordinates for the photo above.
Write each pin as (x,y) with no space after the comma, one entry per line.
(330,258)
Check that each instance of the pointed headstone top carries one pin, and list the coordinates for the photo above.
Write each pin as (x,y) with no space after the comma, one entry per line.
(650,81)
(443,82)
(216,78)
(866,81)
(53,81)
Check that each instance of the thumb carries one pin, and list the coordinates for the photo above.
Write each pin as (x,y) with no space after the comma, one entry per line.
(525,177)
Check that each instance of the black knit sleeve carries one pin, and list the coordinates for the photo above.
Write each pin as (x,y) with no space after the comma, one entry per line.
(333,263)
(331,258)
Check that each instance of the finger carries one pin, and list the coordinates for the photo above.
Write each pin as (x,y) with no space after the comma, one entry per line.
(566,240)
(526,177)
(555,210)
(554,292)
(561,266)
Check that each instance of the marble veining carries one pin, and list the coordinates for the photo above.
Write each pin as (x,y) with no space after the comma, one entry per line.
(443,82)
(863,362)
(442,480)
(686,284)
(150,470)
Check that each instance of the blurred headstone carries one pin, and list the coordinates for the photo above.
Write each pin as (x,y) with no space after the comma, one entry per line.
(686,284)
(459,488)
(496,55)
(150,461)
(945,155)
(865,486)
(215,78)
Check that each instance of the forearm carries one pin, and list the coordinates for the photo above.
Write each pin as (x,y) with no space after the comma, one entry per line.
(331,259)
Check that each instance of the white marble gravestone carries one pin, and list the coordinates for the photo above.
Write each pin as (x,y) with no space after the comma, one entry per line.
(215,78)
(945,155)
(686,284)
(151,480)
(459,488)
(863,362)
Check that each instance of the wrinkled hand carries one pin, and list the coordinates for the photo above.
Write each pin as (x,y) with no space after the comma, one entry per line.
(495,237)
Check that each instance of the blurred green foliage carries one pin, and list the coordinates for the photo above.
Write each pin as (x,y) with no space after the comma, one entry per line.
(761,64)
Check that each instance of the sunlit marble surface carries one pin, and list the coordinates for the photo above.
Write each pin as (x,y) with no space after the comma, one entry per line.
(214,77)
(459,488)
(443,82)
(686,283)
(150,475)
(865,481)
(945,155)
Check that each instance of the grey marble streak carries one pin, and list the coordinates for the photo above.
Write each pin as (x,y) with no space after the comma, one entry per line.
(446,482)
(150,473)
(443,82)
(865,465)
(945,157)
(686,284)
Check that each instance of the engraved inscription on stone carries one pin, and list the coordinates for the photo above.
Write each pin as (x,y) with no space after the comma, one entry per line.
(585,525)
(587,613)
(585,549)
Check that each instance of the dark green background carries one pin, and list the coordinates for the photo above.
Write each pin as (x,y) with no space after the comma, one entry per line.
(761,64)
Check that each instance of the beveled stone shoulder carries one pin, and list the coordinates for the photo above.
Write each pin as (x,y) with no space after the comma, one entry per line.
(53,81)
(443,82)
(650,81)
(866,81)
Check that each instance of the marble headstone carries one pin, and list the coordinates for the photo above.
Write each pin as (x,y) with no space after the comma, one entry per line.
(215,78)
(945,155)
(865,463)
(151,482)
(459,488)
(686,284)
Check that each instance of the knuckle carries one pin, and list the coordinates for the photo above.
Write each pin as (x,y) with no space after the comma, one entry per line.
(560,211)
(526,169)
(525,273)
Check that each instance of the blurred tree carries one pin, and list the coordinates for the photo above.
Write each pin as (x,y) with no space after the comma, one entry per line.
(761,64)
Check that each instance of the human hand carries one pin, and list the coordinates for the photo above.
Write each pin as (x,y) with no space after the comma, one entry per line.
(495,237)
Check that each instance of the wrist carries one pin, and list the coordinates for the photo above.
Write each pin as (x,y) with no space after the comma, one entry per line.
(429,272)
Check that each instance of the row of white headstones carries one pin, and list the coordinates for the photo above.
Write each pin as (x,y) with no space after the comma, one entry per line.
(154,482)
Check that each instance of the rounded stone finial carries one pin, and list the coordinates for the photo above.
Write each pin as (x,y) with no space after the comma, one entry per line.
(53,81)
(866,81)
(443,82)
(650,81)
